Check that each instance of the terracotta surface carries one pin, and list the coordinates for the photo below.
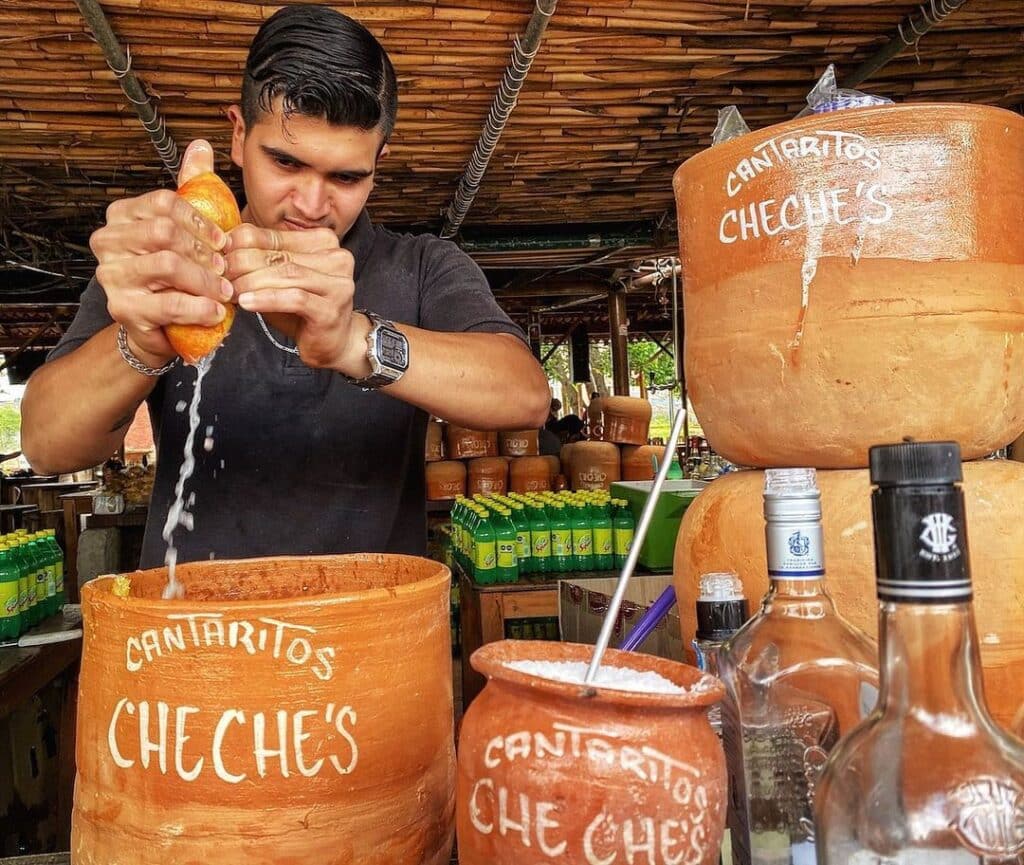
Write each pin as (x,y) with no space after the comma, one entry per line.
(553,772)
(554,466)
(433,448)
(625,419)
(487,475)
(637,464)
(594,465)
(464,443)
(518,443)
(898,312)
(289,711)
(529,474)
(724,530)
(445,480)
(211,196)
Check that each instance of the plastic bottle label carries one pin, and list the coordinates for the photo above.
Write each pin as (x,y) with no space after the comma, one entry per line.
(60,575)
(506,554)
(523,545)
(583,543)
(10,600)
(561,542)
(541,545)
(51,581)
(602,542)
(485,556)
(623,539)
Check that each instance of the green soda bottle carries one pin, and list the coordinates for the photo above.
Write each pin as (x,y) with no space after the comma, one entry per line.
(507,570)
(523,546)
(623,526)
(604,550)
(582,536)
(458,526)
(23,583)
(561,538)
(11,619)
(26,563)
(45,556)
(58,564)
(540,537)
(485,553)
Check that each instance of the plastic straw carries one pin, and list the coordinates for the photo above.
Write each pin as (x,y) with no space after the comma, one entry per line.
(638,541)
(649,620)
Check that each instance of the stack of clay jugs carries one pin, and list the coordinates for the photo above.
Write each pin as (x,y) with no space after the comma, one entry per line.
(462,461)
(616,447)
(849,280)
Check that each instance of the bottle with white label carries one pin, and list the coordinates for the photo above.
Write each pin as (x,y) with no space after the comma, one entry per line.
(928,778)
(797,676)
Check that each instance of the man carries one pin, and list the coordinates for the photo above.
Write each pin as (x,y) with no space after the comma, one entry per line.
(298,459)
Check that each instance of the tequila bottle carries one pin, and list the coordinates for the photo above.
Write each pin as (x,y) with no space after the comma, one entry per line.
(928,779)
(797,677)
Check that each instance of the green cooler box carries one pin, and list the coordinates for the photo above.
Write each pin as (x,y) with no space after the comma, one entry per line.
(676,495)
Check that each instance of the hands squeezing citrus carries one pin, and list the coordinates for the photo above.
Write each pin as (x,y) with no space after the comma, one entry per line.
(211,196)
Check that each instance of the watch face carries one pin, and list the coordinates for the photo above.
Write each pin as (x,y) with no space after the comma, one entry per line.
(393,349)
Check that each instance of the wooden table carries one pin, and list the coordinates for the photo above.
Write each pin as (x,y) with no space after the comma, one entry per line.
(47,495)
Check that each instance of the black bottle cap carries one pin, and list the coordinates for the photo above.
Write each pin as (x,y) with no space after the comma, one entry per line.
(719,620)
(915,464)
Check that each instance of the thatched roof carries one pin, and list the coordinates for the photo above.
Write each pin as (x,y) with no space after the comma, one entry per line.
(620,93)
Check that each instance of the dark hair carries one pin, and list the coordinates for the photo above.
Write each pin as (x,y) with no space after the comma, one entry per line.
(324,65)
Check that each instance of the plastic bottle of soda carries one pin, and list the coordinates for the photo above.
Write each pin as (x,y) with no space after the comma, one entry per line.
(604,550)
(561,538)
(540,537)
(45,556)
(58,561)
(524,551)
(23,581)
(485,560)
(11,624)
(623,526)
(26,564)
(507,565)
(582,536)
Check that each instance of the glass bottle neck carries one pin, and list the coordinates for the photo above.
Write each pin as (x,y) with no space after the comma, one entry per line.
(931,665)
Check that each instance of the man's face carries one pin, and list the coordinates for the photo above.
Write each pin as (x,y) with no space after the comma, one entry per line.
(300,172)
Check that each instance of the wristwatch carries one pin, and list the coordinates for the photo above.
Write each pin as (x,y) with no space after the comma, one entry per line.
(387,349)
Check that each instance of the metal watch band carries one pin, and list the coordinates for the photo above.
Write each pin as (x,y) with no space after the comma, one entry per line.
(375,379)
(134,362)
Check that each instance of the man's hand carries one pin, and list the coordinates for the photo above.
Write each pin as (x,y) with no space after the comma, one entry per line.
(303,282)
(159,263)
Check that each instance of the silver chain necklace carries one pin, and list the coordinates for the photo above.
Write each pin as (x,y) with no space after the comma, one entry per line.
(288,348)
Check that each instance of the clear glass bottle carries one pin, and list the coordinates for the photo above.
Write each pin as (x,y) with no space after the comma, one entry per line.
(928,779)
(797,676)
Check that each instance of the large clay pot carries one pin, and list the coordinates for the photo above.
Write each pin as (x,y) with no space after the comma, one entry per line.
(487,475)
(289,710)
(577,775)
(594,465)
(595,419)
(849,279)
(466,443)
(445,480)
(529,474)
(519,443)
(625,419)
(723,530)
(637,462)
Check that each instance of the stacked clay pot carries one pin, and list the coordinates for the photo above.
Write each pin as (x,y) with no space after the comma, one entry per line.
(466,443)
(487,475)
(434,448)
(248,722)
(585,773)
(445,480)
(849,280)
(529,475)
(835,299)
(519,443)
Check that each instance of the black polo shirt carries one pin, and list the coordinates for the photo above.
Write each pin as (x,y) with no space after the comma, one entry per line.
(300,462)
